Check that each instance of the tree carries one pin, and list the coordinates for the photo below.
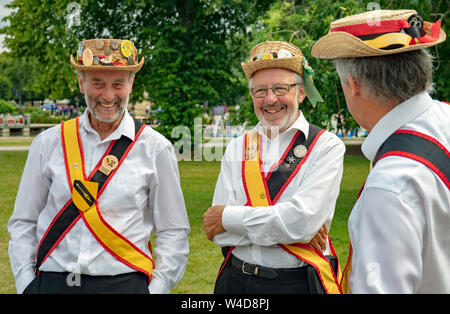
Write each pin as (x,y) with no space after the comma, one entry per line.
(190,46)
(5,88)
(304,22)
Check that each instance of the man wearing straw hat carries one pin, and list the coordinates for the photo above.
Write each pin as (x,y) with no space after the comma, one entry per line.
(95,188)
(277,186)
(399,226)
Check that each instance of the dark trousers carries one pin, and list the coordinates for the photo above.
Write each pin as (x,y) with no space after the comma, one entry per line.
(289,281)
(68,283)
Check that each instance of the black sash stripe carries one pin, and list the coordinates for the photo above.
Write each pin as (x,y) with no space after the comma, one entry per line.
(279,177)
(419,146)
(68,216)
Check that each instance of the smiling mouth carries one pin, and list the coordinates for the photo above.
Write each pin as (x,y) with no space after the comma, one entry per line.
(274,110)
(104,105)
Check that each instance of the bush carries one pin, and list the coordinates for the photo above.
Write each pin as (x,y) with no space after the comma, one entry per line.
(6,107)
(40,116)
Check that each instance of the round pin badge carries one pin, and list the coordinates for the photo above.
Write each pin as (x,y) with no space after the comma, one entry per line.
(283,53)
(267,56)
(300,151)
(87,57)
(114,45)
(99,44)
(126,48)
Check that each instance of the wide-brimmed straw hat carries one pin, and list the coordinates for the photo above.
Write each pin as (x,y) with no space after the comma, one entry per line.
(106,54)
(274,54)
(377,33)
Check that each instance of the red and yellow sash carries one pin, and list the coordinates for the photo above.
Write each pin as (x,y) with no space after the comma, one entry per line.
(256,188)
(85,194)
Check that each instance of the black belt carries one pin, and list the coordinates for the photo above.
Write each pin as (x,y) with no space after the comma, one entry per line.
(253,270)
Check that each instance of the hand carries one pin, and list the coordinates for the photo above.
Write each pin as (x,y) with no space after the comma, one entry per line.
(319,242)
(212,221)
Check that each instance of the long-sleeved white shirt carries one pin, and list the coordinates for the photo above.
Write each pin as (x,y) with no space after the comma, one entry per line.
(143,197)
(400,226)
(307,203)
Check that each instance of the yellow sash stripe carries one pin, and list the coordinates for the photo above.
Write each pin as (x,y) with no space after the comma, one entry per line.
(256,189)
(255,183)
(109,238)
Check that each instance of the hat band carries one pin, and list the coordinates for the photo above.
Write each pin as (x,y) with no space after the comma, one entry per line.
(376,35)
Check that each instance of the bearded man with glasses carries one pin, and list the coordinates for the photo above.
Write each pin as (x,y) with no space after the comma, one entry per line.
(277,188)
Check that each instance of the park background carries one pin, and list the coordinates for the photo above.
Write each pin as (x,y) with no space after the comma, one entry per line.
(193,50)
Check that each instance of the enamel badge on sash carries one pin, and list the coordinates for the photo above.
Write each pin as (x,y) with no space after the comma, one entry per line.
(84,194)
(109,163)
(300,151)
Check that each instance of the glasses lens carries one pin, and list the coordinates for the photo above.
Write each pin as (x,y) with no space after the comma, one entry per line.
(280,89)
(259,92)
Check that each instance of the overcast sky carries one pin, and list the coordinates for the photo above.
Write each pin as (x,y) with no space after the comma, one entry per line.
(3,12)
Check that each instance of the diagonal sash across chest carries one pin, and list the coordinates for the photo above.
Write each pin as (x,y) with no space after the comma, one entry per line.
(265,191)
(416,146)
(84,202)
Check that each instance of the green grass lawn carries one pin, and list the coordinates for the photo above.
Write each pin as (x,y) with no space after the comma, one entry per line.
(198,180)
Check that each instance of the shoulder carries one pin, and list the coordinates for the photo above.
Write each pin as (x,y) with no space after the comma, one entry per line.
(47,140)
(327,141)
(154,139)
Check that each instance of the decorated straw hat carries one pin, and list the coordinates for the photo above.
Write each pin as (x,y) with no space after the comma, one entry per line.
(280,54)
(106,54)
(377,33)
(274,54)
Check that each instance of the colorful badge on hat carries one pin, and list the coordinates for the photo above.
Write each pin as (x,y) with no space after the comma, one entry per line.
(267,56)
(126,48)
(87,57)
(283,53)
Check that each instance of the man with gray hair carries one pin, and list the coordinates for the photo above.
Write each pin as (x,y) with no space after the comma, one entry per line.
(277,186)
(399,225)
(95,188)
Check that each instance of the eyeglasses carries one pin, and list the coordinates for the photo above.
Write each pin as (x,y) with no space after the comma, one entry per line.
(278,89)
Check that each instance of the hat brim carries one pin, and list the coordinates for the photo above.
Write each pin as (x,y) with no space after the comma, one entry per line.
(293,64)
(344,45)
(132,68)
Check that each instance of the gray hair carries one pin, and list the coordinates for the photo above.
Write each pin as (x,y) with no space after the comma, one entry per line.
(396,76)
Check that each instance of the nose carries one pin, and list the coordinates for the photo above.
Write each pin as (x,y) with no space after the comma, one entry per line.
(271,98)
(108,94)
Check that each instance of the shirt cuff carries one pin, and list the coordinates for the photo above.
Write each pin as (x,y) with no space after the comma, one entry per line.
(158,286)
(233,219)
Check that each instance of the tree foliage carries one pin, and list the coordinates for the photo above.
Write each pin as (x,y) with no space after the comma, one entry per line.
(193,48)
(304,22)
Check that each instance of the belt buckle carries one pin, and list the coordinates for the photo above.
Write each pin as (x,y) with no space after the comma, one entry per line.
(247,272)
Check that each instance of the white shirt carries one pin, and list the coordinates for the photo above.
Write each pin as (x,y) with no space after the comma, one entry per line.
(400,226)
(144,196)
(307,203)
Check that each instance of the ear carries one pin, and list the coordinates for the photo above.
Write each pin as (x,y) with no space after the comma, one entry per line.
(355,87)
(301,93)
(80,83)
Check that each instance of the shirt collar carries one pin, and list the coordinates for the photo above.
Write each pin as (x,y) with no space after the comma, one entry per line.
(393,120)
(126,127)
(299,124)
